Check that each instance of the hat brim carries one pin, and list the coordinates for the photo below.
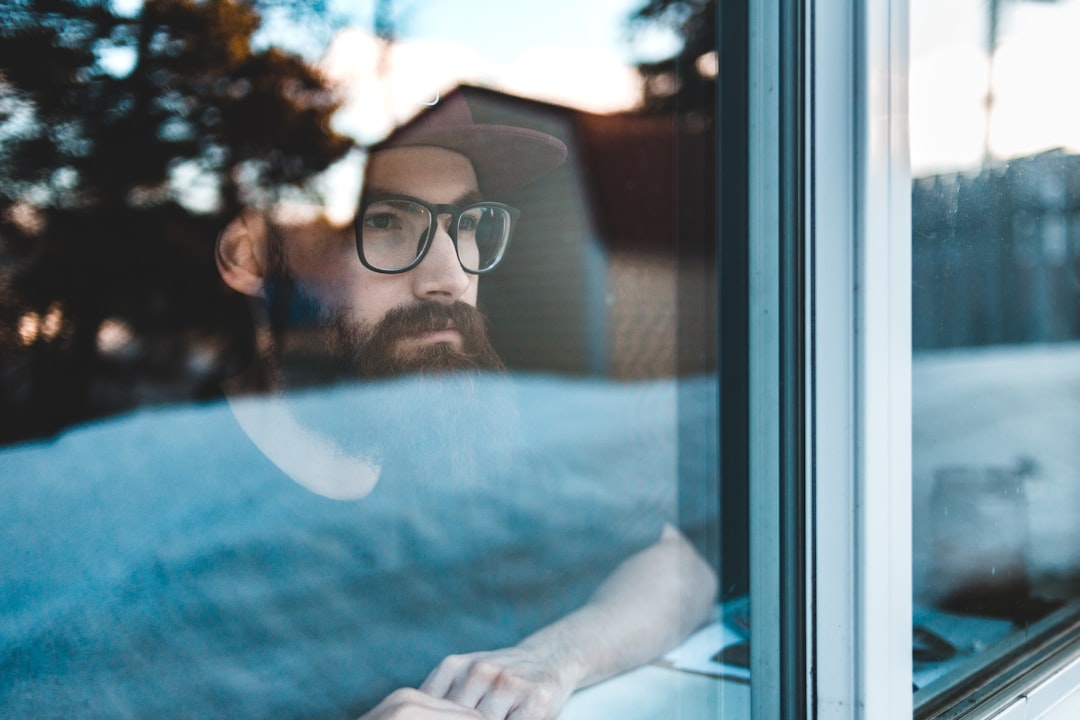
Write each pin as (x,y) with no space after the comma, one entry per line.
(504,157)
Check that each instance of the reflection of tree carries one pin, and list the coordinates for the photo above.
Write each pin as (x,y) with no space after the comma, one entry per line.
(124,142)
(686,82)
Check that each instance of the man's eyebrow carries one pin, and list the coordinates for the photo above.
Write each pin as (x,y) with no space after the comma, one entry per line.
(472,196)
(466,198)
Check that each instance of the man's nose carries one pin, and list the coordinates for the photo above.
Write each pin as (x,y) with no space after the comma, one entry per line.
(439,276)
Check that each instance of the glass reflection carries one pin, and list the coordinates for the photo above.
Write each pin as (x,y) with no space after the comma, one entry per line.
(237,460)
(995,330)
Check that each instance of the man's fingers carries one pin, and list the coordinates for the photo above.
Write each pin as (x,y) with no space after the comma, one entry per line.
(462,679)
(498,684)
(537,705)
(503,695)
(409,704)
(497,703)
(473,682)
(441,678)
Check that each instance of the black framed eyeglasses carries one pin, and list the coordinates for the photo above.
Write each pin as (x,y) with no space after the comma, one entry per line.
(394,233)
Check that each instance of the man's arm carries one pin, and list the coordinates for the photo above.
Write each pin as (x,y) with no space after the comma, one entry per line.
(652,601)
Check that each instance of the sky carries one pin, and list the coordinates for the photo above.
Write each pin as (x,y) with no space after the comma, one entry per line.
(565,51)
(579,53)
(576,52)
(1036,106)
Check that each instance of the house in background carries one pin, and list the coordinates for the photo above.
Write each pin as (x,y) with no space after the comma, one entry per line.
(610,273)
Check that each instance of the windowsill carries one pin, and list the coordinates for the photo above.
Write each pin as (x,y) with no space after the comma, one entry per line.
(687,682)
(660,693)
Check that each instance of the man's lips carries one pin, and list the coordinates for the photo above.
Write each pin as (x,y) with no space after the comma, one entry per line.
(449,335)
(430,336)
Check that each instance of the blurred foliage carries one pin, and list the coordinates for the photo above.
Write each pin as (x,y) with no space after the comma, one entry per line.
(128,138)
(125,142)
(685,83)
(101,109)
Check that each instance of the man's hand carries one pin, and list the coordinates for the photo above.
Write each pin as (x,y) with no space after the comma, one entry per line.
(654,599)
(409,704)
(507,684)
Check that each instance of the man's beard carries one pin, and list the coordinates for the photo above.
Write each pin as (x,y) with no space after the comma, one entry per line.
(462,409)
(351,349)
(383,350)
(441,413)
(432,410)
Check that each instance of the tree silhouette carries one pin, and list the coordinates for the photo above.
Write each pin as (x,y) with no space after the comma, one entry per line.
(686,82)
(196,92)
(124,143)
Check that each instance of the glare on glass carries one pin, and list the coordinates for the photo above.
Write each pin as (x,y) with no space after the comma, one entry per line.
(394,233)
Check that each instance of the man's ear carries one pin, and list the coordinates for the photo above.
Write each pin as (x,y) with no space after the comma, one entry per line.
(241,254)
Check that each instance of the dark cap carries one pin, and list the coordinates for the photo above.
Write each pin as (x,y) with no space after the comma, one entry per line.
(504,156)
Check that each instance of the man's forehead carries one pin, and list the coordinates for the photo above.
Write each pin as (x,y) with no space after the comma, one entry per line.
(420,171)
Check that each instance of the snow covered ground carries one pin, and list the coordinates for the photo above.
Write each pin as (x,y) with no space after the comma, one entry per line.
(996,468)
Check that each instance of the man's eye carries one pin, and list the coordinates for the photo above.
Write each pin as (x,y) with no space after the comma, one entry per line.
(471,220)
(382,221)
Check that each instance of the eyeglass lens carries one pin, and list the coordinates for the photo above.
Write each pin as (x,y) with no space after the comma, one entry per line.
(395,233)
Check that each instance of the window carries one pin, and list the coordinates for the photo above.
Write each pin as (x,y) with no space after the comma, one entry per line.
(206,511)
(993,319)
(787,315)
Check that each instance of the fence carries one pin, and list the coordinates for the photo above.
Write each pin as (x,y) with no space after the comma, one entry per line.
(996,256)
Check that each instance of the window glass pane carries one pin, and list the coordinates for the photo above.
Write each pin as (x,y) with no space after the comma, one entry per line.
(354,347)
(996,294)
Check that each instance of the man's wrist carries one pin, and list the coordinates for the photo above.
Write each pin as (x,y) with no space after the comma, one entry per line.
(566,659)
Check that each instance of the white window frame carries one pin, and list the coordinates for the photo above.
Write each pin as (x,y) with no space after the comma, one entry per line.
(856,305)
(861,366)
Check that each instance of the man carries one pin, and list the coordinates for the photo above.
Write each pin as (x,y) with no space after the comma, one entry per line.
(399,296)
